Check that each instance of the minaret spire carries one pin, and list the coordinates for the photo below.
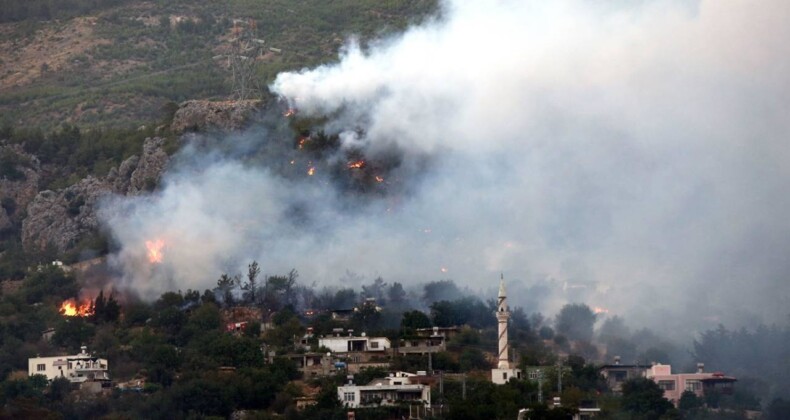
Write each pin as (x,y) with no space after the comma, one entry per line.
(504,370)
(502,316)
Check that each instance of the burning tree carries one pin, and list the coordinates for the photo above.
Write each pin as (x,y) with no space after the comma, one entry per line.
(72,307)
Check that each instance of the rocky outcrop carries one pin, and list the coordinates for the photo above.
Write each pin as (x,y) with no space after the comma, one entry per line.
(5,220)
(61,218)
(140,174)
(149,168)
(18,191)
(202,115)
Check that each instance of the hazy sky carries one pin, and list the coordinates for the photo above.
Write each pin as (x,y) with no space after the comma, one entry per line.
(632,158)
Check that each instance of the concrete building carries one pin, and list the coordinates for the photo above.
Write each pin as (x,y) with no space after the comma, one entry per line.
(699,383)
(395,389)
(312,364)
(616,374)
(351,343)
(433,343)
(78,368)
(504,370)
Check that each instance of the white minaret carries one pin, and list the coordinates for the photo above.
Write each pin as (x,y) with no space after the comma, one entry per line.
(504,370)
(502,316)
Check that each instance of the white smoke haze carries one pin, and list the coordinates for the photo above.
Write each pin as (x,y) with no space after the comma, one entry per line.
(629,157)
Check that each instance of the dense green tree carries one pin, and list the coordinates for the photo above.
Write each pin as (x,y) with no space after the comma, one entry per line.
(49,282)
(344,299)
(689,401)
(445,290)
(473,359)
(367,317)
(575,321)
(225,286)
(396,295)
(643,398)
(376,290)
(251,286)
(413,320)
(74,332)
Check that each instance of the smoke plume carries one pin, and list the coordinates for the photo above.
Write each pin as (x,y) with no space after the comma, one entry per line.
(633,157)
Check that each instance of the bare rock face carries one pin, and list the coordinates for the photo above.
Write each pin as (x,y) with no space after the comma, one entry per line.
(121,176)
(61,218)
(149,168)
(201,115)
(5,220)
(18,191)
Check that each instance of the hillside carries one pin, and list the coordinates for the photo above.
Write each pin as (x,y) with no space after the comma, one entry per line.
(116,63)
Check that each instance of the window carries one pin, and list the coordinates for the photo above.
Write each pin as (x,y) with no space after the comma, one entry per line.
(667,385)
(374,344)
(619,375)
(693,385)
(349,396)
(41,367)
(533,374)
(504,375)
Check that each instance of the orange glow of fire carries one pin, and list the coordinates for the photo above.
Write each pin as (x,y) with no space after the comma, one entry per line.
(302,142)
(311,171)
(73,308)
(289,113)
(599,310)
(379,179)
(443,269)
(155,250)
(357,164)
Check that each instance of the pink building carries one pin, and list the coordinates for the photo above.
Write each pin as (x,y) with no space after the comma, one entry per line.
(699,382)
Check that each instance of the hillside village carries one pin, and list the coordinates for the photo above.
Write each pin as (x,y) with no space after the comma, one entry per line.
(295,352)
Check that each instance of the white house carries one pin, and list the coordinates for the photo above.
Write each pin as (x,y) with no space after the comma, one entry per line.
(350,343)
(77,368)
(387,391)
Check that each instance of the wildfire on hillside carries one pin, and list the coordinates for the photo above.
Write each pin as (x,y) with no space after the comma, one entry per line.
(379,179)
(600,310)
(289,113)
(311,171)
(72,307)
(357,164)
(155,250)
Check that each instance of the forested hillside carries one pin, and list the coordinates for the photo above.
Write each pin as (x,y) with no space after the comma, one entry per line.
(117,62)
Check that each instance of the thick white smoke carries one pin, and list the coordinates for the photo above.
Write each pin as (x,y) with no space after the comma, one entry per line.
(631,157)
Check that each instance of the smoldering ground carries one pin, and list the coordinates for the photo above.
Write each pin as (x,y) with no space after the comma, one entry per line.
(632,157)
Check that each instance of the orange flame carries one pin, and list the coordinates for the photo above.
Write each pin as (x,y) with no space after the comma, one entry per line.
(379,179)
(311,171)
(71,307)
(599,310)
(155,250)
(289,113)
(302,142)
(356,164)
